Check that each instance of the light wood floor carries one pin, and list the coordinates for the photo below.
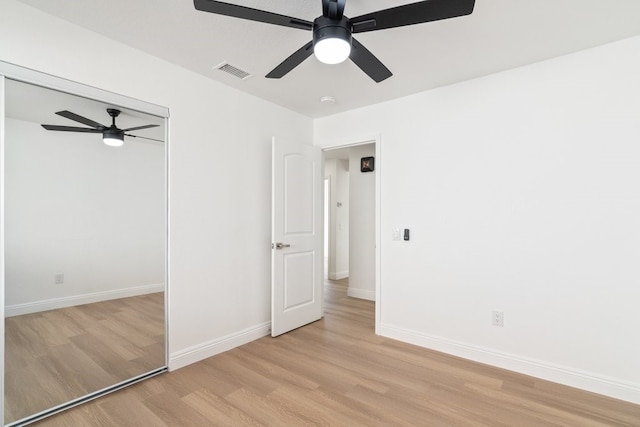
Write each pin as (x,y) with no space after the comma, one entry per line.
(56,356)
(337,372)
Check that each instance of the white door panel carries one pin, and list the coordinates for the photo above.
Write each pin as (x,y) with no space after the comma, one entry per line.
(298,270)
(296,235)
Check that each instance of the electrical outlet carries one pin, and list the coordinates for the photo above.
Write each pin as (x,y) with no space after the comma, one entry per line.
(497,318)
(59,279)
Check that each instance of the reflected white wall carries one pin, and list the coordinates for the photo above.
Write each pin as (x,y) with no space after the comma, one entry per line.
(79,208)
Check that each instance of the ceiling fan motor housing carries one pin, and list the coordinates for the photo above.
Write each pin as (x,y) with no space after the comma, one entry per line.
(114,133)
(324,28)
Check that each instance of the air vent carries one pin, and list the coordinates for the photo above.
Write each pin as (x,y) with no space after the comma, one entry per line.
(234,71)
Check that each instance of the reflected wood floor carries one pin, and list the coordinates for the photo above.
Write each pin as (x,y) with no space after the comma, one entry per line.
(337,372)
(55,356)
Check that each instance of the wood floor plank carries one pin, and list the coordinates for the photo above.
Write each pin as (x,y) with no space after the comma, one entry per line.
(217,410)
(342,409)
(249,355)
(261,407)
(125,410)
(177,413)
(337,372)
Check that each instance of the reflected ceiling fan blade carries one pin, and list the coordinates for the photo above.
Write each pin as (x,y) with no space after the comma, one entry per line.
(140,127)
(143,137)
(71,129)
(76,118)
(368,63)
(291,62)
(251,14)
(413,13)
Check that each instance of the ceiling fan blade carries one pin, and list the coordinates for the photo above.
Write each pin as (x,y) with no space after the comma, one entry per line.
(368,62)
(76,118)
(291,62)
(143,137)
(413,13)
(251,14)
(71,129)
(140,127)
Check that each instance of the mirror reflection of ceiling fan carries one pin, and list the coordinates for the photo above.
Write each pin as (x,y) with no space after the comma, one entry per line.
(332,40)
(111,135)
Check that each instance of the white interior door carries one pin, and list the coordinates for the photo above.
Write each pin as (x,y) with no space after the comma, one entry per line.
(296,260)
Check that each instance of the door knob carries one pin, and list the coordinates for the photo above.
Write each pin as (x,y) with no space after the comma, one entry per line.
(282,245)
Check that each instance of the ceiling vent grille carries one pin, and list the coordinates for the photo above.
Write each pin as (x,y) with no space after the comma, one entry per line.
(234,71)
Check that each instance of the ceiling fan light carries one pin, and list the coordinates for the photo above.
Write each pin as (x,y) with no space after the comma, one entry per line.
(332,50)
(113,142)
(331,39)
(113,138)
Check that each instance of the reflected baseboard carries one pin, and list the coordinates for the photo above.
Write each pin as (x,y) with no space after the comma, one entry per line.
(70,301)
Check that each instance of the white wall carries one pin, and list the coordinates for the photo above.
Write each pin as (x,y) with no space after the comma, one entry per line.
(82,209)
(216,301)
(337,170)
(521,189)
(362,217)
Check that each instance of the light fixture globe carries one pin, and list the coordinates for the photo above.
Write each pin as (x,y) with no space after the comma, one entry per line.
(331,40)
(332,50)
(113,137)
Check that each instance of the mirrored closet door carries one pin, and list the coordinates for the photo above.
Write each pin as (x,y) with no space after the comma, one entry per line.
(84,247)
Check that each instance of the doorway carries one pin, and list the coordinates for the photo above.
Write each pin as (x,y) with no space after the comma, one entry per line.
(350,207)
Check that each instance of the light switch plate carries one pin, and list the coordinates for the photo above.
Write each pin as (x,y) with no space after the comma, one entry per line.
(397,234)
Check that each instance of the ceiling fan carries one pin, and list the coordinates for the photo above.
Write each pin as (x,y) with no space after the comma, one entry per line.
(332,40)
(111,135)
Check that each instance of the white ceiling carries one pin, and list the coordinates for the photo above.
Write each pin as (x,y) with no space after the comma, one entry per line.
(499,35)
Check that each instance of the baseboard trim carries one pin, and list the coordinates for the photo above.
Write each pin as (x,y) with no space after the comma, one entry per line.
(338,275)
(207,349)
(361,293)
(56,303)
(588,381)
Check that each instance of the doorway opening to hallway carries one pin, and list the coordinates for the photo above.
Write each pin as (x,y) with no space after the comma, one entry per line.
(350,221)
